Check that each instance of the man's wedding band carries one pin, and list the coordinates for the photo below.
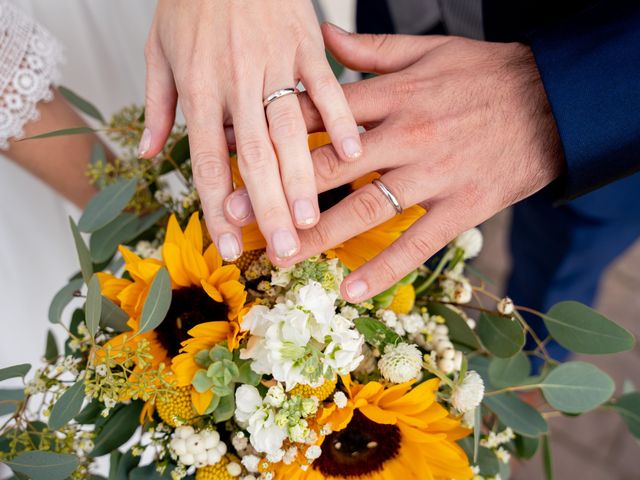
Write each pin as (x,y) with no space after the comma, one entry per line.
(283,92)
(390,196)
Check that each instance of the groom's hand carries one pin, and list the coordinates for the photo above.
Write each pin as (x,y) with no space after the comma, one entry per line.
(461,127)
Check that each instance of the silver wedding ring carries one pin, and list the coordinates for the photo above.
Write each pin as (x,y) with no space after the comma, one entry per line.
(390,196)
(283,92)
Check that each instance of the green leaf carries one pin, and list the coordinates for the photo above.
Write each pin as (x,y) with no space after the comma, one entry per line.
(90,413)
(486,459)
(507,372)
(149,472)
(501,336)
(104,241)
(157,303)
(51,350)
(577,387)
(98,155)
(62,133)
(14,371)
(126,463)
(10,399)
(84,257)
(583,330)
(459,331)
(118,428)
(107,205)
(628,407)
(80,103)
(376,333)
(526,447)
(201,382)
(246,374)
(514,413)
(224,410)
(44,465)
(67,406)
(93,307)
(112,316)
(62,299)
(149,220)
(546,458)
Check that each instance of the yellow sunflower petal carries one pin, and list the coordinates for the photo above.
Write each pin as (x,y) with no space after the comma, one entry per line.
(174,232)
(193,232)
(212,291)
(213,258)
(194,264)
(201,400)
(173,261)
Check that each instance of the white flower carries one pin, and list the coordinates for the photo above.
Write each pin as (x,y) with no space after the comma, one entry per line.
(234,469)
(462,293)
(349,312)
(412,323)
(248,402)
(265,435)
(401,363)
(250,462)
(275,396)
(276,456)
(389,317)
(340,399)
(505,306)
(290,455)
(313,452)
(199,449)
(503,455)
(469,393)
(469,241)
(281,276)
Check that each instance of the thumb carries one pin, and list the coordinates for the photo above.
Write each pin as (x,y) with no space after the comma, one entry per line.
(377,53)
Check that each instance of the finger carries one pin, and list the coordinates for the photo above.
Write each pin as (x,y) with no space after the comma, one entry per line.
(289,137)
(423,239)
(327,95)
(378,53)
(212,173)
(259,169)
(160,101)
(238,209)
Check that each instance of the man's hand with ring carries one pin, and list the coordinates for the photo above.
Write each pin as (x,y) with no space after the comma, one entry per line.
(221,59)
(461,127)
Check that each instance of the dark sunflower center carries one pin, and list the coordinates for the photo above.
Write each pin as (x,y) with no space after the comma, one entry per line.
(190,306)
(332,197)
(359,450)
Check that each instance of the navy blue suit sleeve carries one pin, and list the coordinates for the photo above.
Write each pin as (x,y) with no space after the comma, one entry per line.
(590,68)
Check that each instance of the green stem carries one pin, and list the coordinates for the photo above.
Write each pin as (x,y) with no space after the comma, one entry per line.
(435,274)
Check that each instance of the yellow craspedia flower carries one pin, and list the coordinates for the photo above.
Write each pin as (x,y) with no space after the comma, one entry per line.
(321,393)
(247,258)
(404,299)
(220,471)
(176,408)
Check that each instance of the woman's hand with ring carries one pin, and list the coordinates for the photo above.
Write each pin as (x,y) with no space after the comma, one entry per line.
(220,59)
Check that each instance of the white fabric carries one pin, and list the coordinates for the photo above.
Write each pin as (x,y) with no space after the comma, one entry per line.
(29,58)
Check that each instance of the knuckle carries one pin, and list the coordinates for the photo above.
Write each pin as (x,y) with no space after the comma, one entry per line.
(210,170)
(323,84)
(419,248)
(284,125)
(327,163)
(366,206)
(253,155)
(317,237)
(387,271)
(273,214)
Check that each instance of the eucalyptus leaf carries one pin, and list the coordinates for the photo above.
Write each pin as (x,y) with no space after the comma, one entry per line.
(63,132)
(150,472)
(67,406)
(84,257)
(14,371)
(459,331)
(118,428)
(514,413)
(577,387)
(157,303)
(80,103)
(98,155)
(149,220)
(10,399)
(127,462)
(89,413)
(583,330)
(628,407)
(40,465)
(104,242)
(113,317)
(526,447)
(375,332)
(107,205)
(93,307)
(51,350)
(507,372)
(503,337)
(62,299)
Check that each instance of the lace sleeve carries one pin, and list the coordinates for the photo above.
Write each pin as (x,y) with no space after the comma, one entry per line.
(29,59)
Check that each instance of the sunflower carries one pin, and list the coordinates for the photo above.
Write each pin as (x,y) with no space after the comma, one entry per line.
(358,250)
(387,434)
(207,302)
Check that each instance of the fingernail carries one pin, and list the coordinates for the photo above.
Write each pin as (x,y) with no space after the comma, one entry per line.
(145,143)
(229,247)
(351,147)
(337,29)
(304,212)
(284,243)
(239,206)
(357,289)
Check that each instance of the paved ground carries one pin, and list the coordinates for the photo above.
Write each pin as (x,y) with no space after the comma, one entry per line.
(595,446)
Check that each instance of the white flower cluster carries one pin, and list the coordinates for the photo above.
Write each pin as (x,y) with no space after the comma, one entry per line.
(401,363)
(470,242)
(301,339)
(494,440)
(467,395)
(146,249)
(197,448)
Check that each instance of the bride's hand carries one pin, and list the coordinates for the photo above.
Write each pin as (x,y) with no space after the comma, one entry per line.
(459,126)
(220,59)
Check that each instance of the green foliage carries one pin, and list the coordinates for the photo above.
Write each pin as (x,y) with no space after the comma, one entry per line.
(459,331)
(514,413)
(628,407)
(41,465)
(104,207)
(376,333)
(157,303)
(506,372)
(10,399)
(64,132)
(547,462)
(117,429)
(51,349)
(526,447)
(122,464)
(62,299)
(90,413)
(583,330)
(577,387)
(67,406)
(502,336)
(104,241)
(81,104)
(93,307)
(14,371)
(113,317)
(84,257)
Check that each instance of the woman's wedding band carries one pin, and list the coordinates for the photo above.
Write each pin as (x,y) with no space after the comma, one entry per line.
(283,92)
(390,196)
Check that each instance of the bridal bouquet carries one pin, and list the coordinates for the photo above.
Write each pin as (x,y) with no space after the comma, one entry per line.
(177,364)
